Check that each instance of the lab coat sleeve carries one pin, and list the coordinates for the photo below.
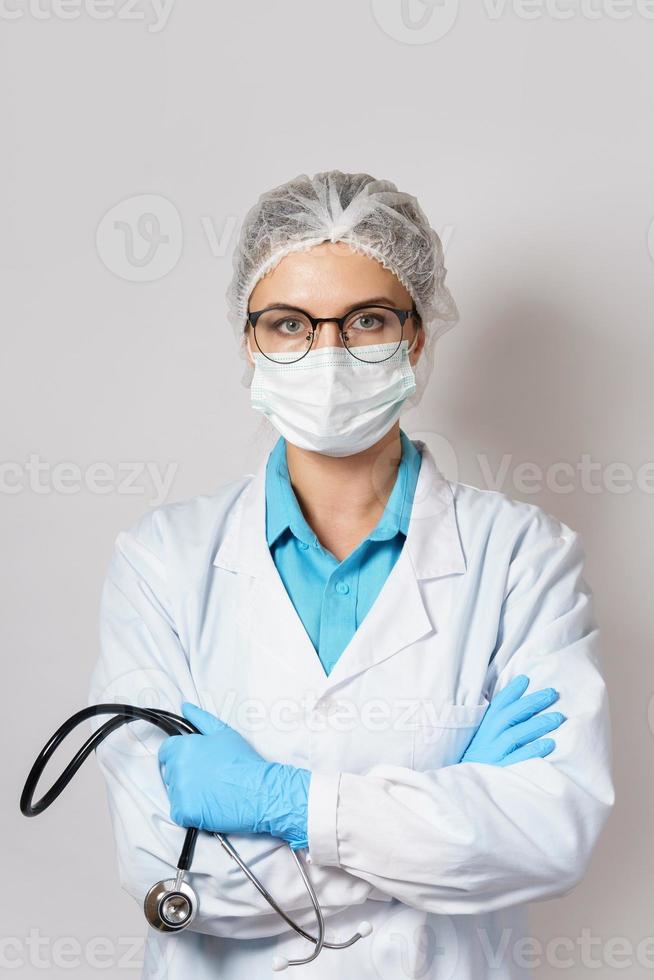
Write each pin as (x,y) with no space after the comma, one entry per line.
(142,662)
(470,838)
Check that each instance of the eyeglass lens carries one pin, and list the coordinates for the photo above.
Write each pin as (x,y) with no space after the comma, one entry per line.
(282,333)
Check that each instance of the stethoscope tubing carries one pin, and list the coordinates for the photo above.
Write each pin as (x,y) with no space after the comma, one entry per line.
(171,724)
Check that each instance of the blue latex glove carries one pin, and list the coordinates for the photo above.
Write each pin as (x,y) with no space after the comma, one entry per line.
(509,731)
(216,781)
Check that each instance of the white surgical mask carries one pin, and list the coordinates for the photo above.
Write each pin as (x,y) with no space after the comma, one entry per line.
(331,402)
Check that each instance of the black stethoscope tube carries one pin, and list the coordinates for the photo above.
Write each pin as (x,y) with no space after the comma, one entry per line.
(168,722)
(171,724)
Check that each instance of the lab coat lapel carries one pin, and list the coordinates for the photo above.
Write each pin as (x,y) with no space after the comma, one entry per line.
(398,617)
(275,629)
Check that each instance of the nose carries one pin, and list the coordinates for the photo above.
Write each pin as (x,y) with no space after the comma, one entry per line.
(327,335)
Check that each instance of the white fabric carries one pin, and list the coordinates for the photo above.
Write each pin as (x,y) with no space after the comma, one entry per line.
(440,858)
(330,402)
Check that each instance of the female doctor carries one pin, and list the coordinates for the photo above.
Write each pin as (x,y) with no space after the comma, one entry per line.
(353,635)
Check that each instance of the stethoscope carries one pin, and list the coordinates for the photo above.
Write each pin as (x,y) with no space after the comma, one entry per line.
(171,904)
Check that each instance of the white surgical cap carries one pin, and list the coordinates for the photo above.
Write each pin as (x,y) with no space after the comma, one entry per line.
(374,218)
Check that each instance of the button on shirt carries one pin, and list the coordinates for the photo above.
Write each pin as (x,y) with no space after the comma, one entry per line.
(331,597)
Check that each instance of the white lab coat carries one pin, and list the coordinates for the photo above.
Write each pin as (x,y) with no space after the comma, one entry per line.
(440,858)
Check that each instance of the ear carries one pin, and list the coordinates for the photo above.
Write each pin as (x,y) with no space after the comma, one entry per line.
(419,342)
(246,344)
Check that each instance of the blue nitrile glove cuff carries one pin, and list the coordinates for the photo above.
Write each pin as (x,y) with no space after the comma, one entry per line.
(217,781)
(286,799)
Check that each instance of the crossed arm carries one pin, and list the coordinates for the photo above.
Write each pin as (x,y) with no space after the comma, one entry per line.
(463,839)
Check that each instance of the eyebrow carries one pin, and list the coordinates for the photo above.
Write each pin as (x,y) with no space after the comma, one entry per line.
(369,301)
(377,299)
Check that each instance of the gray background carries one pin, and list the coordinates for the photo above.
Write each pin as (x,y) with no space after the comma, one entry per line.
(525,132)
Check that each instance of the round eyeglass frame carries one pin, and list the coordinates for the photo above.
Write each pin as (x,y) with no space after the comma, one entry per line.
(315,321)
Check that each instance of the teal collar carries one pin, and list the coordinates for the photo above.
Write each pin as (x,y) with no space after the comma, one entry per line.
(283,509)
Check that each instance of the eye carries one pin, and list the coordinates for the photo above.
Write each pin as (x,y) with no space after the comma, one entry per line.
(290,325)
(366,321)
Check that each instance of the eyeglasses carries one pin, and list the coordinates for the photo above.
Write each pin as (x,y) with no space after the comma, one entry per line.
(286,333)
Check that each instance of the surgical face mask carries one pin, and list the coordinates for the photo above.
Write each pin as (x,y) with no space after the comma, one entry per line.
(330,402)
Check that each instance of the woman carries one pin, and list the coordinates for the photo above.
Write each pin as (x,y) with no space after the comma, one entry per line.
(335,626)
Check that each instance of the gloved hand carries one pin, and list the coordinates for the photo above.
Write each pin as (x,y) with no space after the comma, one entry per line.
(216,781)
(509,732)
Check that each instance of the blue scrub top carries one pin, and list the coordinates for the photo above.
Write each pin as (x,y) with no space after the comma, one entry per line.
(331,597)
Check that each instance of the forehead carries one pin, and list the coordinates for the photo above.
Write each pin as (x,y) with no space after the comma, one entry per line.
(329,274)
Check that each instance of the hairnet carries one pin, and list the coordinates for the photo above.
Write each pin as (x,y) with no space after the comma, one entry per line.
(374,218)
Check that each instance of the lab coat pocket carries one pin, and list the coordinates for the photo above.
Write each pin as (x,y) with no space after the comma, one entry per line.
(444,732)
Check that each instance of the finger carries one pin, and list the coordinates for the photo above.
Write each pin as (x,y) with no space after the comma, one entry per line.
(535,750)
(203,720)
(496,720)
(534,728)
(513,690)
(166,749)
(528,706)
(529,731)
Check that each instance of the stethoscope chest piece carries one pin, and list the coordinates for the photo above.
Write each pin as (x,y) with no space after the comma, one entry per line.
(170,906)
